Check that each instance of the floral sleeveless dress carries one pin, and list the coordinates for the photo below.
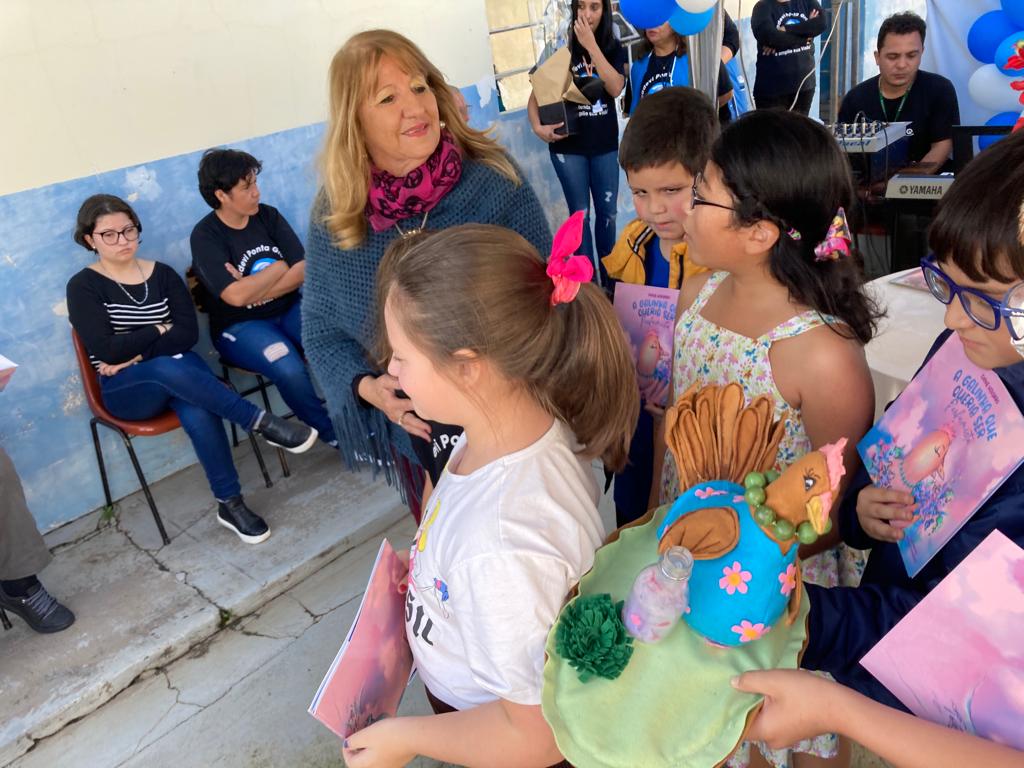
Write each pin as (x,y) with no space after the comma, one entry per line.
(705,353)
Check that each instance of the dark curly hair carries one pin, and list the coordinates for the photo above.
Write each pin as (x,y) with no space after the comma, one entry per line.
(785,168)
(93,208)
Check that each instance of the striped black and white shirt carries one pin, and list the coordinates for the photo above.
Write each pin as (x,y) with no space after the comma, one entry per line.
(116,322)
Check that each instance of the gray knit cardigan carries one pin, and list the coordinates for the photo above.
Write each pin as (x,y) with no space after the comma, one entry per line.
(339,302)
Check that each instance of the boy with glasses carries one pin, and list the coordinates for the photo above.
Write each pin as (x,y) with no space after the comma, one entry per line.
(977,271)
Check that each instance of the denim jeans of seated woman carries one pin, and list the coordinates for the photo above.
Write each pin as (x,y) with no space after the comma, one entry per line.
(271,347)
(592,176)
(186,385)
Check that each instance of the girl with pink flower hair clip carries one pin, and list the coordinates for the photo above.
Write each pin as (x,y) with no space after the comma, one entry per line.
(528,357)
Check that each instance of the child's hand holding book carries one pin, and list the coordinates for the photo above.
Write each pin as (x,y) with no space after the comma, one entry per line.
(884,513)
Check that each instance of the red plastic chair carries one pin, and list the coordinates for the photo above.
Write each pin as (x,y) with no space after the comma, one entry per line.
(158,425)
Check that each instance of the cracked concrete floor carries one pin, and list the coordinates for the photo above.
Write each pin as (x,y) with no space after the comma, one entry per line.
(239,698)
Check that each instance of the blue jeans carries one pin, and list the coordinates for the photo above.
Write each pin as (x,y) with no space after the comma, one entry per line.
(185,384)
(592,176)
(271,347)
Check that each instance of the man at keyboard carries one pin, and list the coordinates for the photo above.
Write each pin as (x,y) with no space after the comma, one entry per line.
(903,92)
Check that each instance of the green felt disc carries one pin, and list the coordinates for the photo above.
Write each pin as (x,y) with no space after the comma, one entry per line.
(672,705)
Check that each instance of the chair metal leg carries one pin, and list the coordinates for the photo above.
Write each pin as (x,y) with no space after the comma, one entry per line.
(259,460)
(262,384)
(282,457)
(99,460)
(4,620)
(227,379)
(145,486)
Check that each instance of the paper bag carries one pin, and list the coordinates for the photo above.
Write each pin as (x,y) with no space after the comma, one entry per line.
(553,87)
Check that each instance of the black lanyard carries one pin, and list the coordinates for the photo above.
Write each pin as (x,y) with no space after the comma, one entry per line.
(899,109)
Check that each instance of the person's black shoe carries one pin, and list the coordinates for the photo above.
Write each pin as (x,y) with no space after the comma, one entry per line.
(235,516)
(293,436)
(39,609)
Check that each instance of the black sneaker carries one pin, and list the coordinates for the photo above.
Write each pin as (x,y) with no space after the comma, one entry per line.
(39,609)
(235,516)
(293,435)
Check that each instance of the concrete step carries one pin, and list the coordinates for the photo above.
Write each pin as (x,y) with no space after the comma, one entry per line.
(141,605)
(238,699)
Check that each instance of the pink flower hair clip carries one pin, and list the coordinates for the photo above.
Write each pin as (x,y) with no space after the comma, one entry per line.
(566,268)
(838,240)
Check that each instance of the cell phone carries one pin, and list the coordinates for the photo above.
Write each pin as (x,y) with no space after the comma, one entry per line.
(401,395)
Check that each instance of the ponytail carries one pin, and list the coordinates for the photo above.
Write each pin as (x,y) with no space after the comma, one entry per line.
(484,289)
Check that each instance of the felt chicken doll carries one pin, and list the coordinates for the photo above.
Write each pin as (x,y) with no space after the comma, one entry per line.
(742,522)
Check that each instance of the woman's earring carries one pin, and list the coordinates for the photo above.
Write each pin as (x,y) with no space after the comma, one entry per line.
(444,124)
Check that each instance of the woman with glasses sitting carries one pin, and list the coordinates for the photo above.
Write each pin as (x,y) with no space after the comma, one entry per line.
(136,320)
(977,271)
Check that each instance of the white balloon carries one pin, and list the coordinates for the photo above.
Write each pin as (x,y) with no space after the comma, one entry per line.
(695,6)
(991,89)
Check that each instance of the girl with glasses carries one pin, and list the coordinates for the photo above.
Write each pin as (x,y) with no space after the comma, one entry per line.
(977,271)
(783,311)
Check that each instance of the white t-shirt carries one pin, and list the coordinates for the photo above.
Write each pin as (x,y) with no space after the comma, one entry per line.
(494,557)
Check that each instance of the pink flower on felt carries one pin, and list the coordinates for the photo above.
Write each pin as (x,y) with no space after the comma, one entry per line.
(738,499)
(749,632)
(734,579)
(707,493)
(567,269)
(788,580)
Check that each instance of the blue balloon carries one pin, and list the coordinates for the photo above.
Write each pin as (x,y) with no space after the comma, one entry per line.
(1003,118)
(987,33)
(1010,55)
(686,23)
(645,14)
(1015,10)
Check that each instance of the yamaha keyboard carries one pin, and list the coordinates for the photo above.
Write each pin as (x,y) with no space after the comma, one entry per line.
(918,186)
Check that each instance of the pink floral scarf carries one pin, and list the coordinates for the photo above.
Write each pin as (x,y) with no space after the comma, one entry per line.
(393,198)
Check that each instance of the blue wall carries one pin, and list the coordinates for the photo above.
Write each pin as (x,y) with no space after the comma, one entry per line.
(44,420)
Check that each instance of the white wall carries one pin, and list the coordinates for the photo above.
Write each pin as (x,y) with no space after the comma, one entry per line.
(93,85)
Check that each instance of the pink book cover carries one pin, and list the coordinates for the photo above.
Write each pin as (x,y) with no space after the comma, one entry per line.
(366,681)
(648,316)
(7,369)
(912,279)
(951,438)
(957,658)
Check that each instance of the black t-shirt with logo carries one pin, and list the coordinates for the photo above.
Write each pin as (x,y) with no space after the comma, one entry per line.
(931,107)
(784,32)
(598,131)
(265,239)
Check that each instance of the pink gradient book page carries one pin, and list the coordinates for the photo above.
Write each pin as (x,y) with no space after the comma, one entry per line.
(951,438)
(648,316)
(372,669)
(957,658)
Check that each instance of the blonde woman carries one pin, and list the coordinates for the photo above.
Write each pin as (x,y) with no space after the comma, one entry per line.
(398,158)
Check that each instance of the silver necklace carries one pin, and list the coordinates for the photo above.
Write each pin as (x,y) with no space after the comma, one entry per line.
(415,230)
(145,284)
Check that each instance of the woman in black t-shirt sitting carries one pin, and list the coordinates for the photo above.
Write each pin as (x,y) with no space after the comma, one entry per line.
(136,320)
(586,161)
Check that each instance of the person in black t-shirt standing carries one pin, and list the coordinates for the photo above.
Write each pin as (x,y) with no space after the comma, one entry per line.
(903,92)
(251,265)
(586,162)
(785,32)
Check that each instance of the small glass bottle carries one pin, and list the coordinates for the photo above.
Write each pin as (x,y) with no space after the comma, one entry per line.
(659,596)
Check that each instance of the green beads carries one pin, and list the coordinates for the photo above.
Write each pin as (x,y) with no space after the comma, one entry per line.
(783,529)
(806,534)
(755,497)
(765,516)
(771,476)
(755,480)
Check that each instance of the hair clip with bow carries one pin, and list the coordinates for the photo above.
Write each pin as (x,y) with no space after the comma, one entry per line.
(566,268)
(838,240)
